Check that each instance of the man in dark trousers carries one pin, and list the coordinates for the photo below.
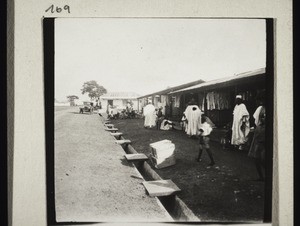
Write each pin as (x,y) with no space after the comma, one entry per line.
(205,130)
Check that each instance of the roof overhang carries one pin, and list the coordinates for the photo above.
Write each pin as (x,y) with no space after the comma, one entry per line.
(240,79)
(172,89)
(118,98)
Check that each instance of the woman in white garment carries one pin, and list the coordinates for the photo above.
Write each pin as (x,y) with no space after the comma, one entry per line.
(150,115)
(193,118)
(240,125)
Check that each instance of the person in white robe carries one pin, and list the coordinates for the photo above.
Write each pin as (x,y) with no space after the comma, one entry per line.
(240,125)
(166,124)
(256,115)
(150,115)
(193,119)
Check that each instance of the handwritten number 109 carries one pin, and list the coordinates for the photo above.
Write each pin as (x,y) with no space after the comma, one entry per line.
(58,9)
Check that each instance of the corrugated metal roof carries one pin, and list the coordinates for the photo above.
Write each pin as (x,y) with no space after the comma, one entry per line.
(224,81)
(119,95)
(174,88)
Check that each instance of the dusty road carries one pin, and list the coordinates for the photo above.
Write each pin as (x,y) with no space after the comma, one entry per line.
(93,181)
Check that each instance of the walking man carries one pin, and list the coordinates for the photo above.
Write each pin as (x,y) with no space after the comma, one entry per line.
(205,130)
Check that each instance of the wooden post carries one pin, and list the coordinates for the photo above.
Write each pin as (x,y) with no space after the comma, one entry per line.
(205,103)
(171,107)
(184,104)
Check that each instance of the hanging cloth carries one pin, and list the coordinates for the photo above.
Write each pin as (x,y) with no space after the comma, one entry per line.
(177,101)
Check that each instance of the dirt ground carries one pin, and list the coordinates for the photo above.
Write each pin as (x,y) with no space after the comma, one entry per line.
(225,192)
(93,181)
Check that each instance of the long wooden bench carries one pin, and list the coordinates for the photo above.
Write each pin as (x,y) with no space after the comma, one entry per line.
(161,187)
(111,129)
(136,157)
(117,135)
(123,142)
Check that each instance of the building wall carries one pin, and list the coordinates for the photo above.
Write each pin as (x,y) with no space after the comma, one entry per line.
(62,104)
(143,102)
(119,103)
(104,104)
(159,102)
(135,104)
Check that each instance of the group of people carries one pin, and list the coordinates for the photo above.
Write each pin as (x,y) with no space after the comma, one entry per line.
(127,113)
(241,129)
(196,124)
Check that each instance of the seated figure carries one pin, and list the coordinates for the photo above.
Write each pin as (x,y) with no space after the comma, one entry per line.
(166,124)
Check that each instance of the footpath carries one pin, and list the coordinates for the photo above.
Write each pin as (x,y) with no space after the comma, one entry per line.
(93,180)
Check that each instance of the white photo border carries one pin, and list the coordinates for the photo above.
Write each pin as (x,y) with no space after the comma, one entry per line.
(27,126)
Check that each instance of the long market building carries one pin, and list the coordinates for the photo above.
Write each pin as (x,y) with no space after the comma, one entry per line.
(215,98)
(163,99)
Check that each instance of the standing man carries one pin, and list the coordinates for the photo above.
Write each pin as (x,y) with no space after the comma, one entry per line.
(160,118)
(240,125)
(91,107)
(192,118)
(150,115)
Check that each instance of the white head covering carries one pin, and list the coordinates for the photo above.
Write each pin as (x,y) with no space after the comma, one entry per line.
(238,96)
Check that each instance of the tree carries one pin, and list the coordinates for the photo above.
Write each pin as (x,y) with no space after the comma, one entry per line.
(71,99)
(93,89)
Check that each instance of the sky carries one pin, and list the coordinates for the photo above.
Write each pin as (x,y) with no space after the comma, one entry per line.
(148,55)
